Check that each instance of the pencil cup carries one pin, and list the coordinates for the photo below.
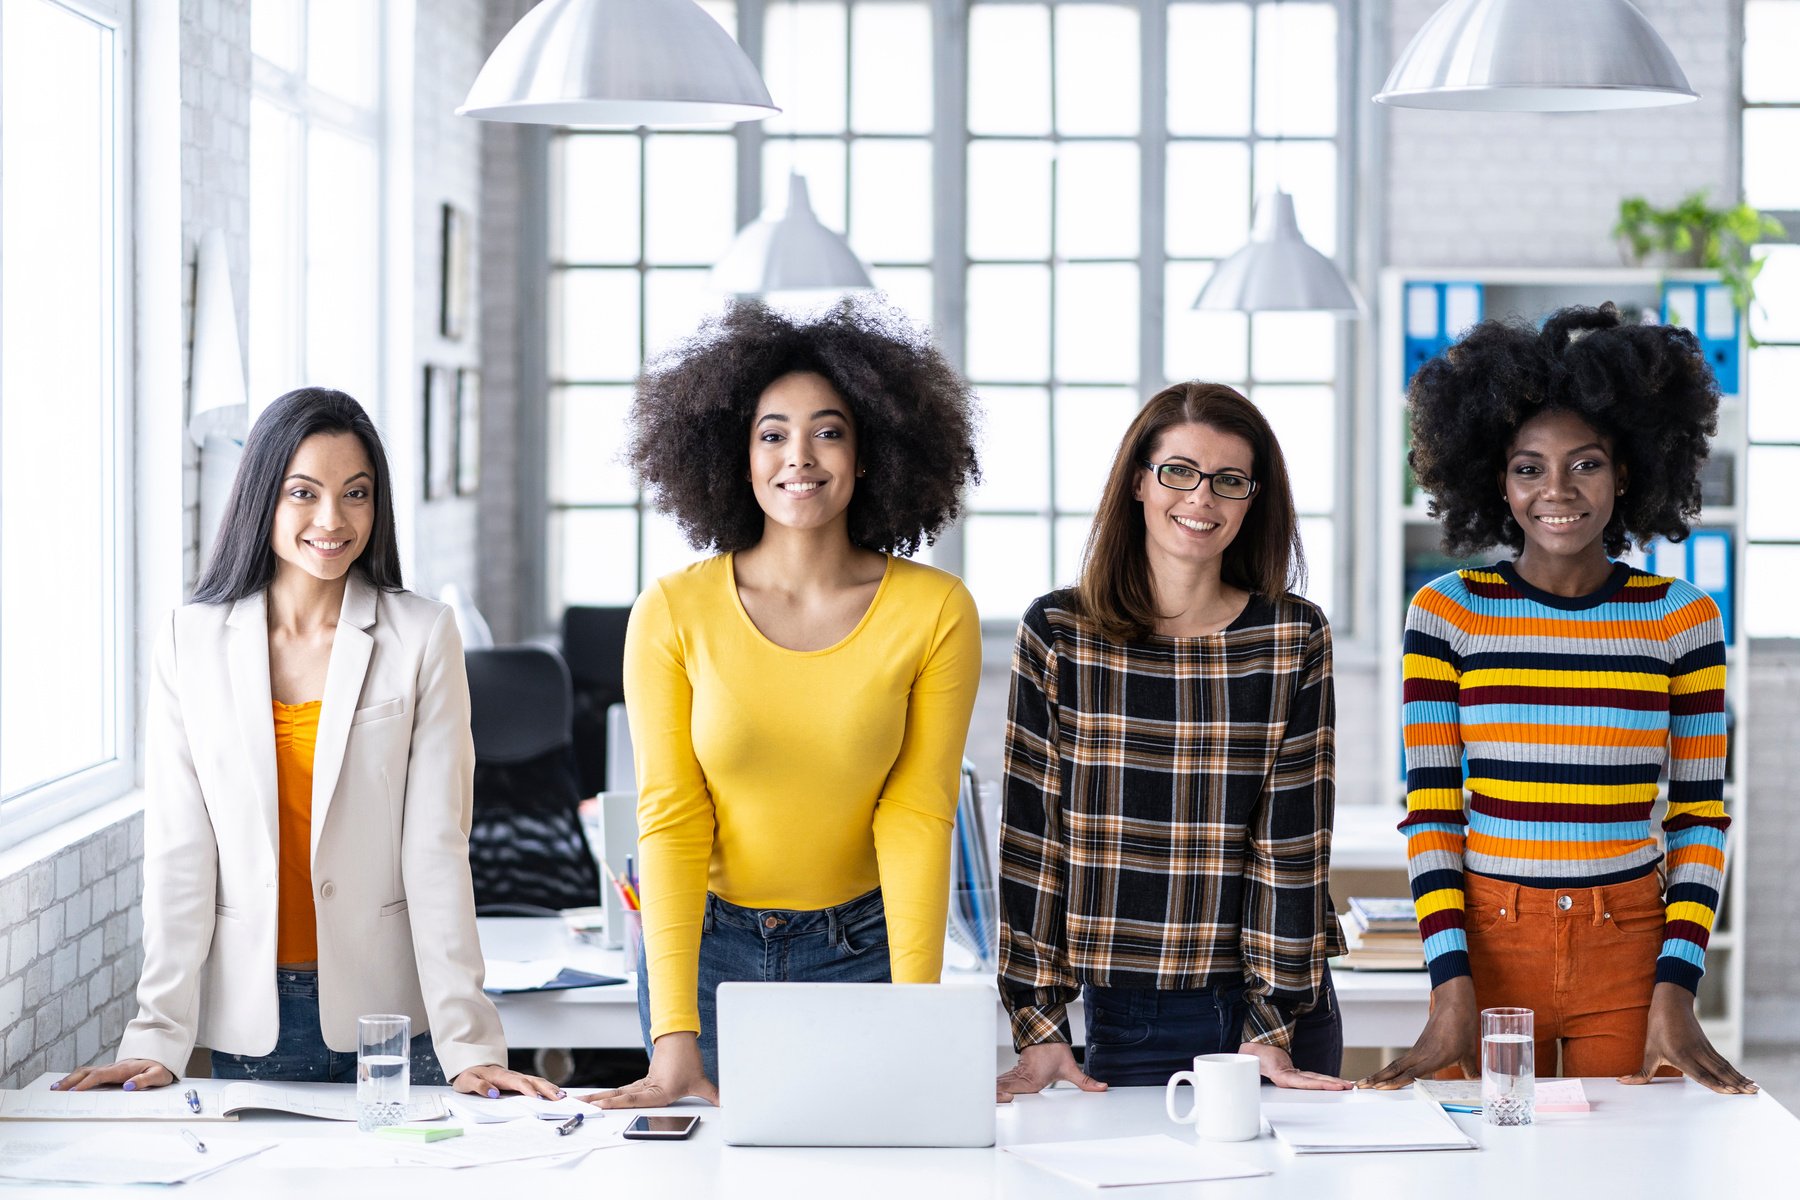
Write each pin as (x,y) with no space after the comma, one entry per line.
(1508,1075)
(633,923)
(383,1070)
(1227,1097)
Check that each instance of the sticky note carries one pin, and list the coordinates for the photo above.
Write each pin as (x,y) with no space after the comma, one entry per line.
(420,1133)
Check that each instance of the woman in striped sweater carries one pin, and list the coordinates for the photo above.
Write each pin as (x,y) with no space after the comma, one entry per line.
(1555,689)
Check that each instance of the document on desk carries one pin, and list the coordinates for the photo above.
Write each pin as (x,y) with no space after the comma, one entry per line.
(480,1110)
(329,1101)
(1133,1161)
(1361,1123)
(538,975)
(128,1158)
(518,1141)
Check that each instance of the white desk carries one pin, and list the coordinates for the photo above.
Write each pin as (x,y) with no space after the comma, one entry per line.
(1381,1008)
(1671,1139)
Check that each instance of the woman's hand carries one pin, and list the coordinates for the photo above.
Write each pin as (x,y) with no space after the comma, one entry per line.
(1039,1067)
(489,1080)
(1676,1039)
(136,1074)
(1451,1038)
(1277,1066)
(676,1070)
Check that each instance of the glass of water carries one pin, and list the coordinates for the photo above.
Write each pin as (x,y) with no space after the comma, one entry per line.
(1508,1074)
(383,1069)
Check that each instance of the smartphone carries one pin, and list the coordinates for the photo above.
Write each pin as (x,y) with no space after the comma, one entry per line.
(661,1129)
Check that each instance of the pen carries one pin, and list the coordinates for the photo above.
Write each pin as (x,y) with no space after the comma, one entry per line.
(198,1145)
(193,1100)
(1461,1108)
(569,1126)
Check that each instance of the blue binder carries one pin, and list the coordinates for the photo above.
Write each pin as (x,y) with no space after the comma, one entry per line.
(1436,315)
(1706,308)
(1704,560)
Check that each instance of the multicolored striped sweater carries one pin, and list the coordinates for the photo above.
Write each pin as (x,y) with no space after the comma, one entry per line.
(1558,715)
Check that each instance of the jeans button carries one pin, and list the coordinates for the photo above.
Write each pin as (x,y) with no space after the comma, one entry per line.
(1565,903)
(771,922)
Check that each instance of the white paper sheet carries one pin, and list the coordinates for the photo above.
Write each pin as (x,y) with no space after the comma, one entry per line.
(1134,1161)
(126,1158)
(505,976)
(101,1104)
(327,1101)
(480,1110)
(1359,1123)
(514,1142)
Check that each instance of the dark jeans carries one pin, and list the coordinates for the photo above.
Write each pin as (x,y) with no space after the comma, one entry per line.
(301,1055)
(843,944)
(1141,1036)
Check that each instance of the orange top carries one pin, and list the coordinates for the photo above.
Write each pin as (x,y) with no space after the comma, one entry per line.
(296,731)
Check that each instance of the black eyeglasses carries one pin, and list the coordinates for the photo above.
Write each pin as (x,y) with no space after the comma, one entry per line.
(1226,485)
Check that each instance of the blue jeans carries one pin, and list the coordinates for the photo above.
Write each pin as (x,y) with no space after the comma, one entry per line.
(301,1055)
(843,944)
(1141,1036)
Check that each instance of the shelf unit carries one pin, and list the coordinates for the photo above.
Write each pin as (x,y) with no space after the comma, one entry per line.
(1408,546)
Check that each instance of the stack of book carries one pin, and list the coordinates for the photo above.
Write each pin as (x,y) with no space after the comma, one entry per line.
(1383,933)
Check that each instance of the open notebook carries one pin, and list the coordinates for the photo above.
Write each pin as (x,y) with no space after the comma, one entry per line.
(329,1101)
(1360,1123)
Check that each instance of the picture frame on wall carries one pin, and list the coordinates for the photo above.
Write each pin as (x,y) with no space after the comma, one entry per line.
(440,427)
(468,431)
(454,274)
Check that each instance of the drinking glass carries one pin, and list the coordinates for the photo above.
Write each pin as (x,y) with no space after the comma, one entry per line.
(1508,1076)
(383,1069)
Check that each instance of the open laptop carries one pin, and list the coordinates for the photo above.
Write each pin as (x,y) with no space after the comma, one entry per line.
(856,1064)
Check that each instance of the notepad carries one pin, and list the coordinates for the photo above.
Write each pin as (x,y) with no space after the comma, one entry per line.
(327,1101)
(1133,1161)
(1358,1124)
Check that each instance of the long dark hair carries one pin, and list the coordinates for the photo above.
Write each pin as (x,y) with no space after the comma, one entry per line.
(242,562)
(1265,557)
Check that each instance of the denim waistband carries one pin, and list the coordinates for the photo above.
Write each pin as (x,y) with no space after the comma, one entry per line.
(772,923)
(296,983)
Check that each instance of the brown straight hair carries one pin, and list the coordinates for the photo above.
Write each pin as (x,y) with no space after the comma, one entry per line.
(1266,557)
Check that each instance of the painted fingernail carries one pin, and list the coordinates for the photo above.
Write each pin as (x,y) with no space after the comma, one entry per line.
(560,1093)
(131,1085)
(493,1093)
(54,1086)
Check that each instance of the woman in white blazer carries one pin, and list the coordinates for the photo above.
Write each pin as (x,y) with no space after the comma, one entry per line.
(275,914)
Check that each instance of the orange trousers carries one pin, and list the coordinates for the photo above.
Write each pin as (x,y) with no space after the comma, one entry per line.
(1582,959)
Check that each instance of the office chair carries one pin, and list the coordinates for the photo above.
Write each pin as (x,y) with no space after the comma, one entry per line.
(593,644)
(527,851)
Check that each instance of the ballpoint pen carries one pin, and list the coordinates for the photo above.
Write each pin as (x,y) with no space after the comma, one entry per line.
(193,1100)
(198,1145)
(570,1126)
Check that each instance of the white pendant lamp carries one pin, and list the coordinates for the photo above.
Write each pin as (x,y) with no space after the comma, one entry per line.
(1277,271)
(789,252)
(1536,56)
(620,64)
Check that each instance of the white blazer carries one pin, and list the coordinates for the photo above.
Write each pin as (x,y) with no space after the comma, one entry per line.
(393,771)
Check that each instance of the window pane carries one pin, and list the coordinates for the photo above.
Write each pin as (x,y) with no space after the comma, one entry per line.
(1096,69)
(1015,450)
(1213,346)
(596,197)
(1771,31)
(691,206)
(1307,170)
(1006,563)
(1097,323)
(596,325)
(58,432)
(587,434)
(890,67)
(1300,346)
(1209,69)
(1097,200)
(275,291)
(1009,324)
(595,555)
(1318,536)
(1090,423)
(1775,317)
(1009,199)
(1771,580)
(343,264)
(821,162)
(804,47)
(1208,199)
(1009,69)
(275,34)
(907,289)
(1305,424)
(890,200)
(1296,70)
(1772,502)
(1774,394)
(665,549)
(1071,541)
(1771,168)
(343,43)
(676,302)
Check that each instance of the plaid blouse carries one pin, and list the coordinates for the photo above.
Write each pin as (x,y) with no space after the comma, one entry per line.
(1167,815)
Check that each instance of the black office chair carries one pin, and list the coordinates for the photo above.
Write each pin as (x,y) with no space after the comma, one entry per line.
(527,850)
(593,644)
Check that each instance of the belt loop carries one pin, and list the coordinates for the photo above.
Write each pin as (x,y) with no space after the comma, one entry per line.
(834,926)
(706,917)
(1601,908)
(1512,902)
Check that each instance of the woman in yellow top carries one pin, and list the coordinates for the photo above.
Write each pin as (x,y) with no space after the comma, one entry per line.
(798,703)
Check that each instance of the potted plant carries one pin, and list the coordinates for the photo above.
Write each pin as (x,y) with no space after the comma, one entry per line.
(1695,234)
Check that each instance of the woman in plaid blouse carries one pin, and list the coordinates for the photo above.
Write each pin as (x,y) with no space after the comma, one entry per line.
(1166,828)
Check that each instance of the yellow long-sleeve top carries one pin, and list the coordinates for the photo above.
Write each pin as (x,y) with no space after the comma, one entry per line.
(791,779)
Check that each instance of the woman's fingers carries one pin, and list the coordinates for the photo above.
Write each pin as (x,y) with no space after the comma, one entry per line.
(1084,1081)
(1311,1081)
(153,1076)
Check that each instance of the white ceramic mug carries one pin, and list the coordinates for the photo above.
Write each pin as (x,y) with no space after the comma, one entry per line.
(1227,1097)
